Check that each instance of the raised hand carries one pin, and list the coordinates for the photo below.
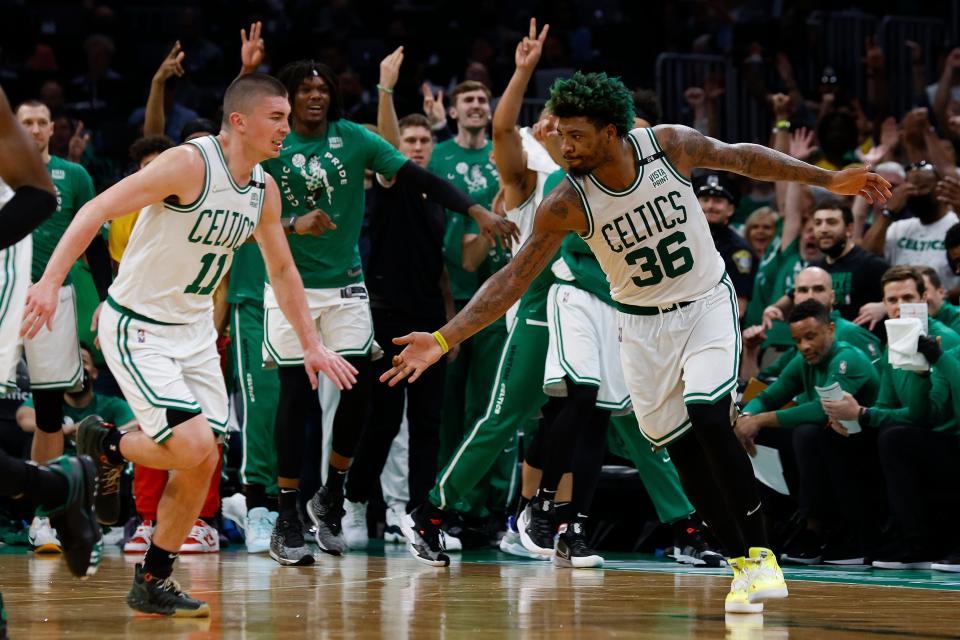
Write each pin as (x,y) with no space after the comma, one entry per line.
(390,69)
(253,48)
(860,181)
(433,105)
(172,65)
(78,143)
(421,351)
(948,191)
(781,105)
(315,223)
(801,143)
(889,133)
(695,97)
(530,48)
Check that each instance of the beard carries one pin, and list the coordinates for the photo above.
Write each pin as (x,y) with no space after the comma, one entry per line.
(835,250)
(579,171)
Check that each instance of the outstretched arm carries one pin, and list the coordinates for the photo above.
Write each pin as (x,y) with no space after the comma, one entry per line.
(387,122)
(560,213)
(688,149)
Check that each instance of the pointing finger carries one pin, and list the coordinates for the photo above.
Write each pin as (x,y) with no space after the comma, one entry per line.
(533,28)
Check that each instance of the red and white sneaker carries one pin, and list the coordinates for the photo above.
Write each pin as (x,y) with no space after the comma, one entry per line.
(202,539)
(140,541)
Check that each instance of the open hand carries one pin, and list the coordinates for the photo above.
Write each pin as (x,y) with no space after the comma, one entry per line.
(421,351)
(320,359)
(860,181)
(495,227)
(870,314)
(390,69)
(801,143)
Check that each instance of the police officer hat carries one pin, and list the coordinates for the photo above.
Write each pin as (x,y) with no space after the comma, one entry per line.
(713,183)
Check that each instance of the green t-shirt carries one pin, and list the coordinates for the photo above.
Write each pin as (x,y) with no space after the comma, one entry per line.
(774,278)
(949,315)
(74,189)
(940,392)
(327,173)
(247,275)
(111,409)
(843,364)
(473,172)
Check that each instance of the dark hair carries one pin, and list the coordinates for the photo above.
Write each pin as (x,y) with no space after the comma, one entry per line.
(413,120)
(148,145)
(293,75)
(34,103)
(86,347)
(902,272)
(466,86)
(595,96)
(952,237)
(246,88)
(646,103)
(836,204)
(932,276)
(200,125)
(810,309)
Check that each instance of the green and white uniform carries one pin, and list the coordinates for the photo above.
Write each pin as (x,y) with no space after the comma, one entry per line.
(327,173)
(156,330)
(53,357)
(678,323)
(14,281)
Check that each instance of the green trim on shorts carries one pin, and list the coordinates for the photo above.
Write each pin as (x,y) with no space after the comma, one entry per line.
(193,206)
(671,435)
(666,159)
(731,382)
(567,368)
(363,351)
(271,350)
(122,310)
(155,399)
(163,435)
(613,406)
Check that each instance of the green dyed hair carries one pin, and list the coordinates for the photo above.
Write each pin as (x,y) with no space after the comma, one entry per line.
(596,96)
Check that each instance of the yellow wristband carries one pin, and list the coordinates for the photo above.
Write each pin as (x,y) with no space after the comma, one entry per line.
(782,124)
(441,341)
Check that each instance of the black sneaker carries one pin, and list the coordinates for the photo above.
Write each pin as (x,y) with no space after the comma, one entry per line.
(287,545)
(163,597)
(805,548)
(76,520)
(844,555)
(951,563)
(423,535)
(689,547)
(540,534)
(572,549)
(326,512)
(3,620)
(91,435)
(905,558)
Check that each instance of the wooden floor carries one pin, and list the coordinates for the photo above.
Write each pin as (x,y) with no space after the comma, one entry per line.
(387,594)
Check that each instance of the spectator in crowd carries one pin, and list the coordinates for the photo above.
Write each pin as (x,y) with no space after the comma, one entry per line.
(940,309)
(823,457)
(902,392)
(163,114)
(760,229)
(98,93)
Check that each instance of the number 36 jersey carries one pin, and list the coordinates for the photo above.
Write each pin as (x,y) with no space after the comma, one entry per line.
(178,254)
(652,238)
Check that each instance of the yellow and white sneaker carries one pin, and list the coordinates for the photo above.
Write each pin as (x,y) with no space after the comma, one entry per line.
(766,578)
(738,600)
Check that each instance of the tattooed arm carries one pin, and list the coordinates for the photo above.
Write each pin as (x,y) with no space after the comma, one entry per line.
(688,149)
(560,213)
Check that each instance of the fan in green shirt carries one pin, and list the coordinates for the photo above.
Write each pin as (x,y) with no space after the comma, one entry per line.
(940,309)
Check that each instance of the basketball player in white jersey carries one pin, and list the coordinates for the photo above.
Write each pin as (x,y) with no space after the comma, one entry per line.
(199,202)
(629,197)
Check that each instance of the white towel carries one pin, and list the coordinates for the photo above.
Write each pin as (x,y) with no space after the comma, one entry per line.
(902,336)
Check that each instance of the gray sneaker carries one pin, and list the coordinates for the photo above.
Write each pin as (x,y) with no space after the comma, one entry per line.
(287,545)
(326,513)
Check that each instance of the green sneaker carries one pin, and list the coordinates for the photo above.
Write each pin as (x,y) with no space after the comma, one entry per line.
(76,520)
(163,597)
(92,432)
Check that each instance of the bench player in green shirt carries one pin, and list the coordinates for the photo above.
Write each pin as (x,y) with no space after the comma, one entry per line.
(940,308)
(53,356)
(321,167)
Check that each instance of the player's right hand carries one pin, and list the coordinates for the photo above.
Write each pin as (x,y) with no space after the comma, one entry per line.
(494,227)
(320,359)
(315,223)
(42,301)
(422,350)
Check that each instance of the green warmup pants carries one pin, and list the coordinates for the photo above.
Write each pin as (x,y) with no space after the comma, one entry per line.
(657,472)
(466,390)
(513,400)
(256,392)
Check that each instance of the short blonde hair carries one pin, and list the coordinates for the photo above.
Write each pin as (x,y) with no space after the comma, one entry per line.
(754,218)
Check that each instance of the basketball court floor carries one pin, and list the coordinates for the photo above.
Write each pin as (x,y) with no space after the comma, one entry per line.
(386,594)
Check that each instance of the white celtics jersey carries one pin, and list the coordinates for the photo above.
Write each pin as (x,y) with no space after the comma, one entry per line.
(540,161)
(178,254)
(652,239)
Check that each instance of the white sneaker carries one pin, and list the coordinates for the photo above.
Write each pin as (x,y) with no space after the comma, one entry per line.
(140,541)
(449,542)
(43,537)
(234,508)
(392,531)
(257,529)
(202,539)
(354,524)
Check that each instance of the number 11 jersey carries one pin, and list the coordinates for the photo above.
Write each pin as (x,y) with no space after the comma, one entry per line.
(178,254)
(652,238)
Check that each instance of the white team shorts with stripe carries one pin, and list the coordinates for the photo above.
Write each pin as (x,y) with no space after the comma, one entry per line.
(344,324)
(689,355)
(583,347)
(163,366)
(15,262)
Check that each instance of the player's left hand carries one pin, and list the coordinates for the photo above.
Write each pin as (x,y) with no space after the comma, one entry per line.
(494,227)
(860,181)
(845,409)
(421,351)
(42,299)
(320,359)
(530,48)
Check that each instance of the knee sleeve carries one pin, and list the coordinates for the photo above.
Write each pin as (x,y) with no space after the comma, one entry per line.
(49,408)
(296,396)
(352,410)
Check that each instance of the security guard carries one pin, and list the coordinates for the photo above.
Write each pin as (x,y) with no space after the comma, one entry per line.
(718,195)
